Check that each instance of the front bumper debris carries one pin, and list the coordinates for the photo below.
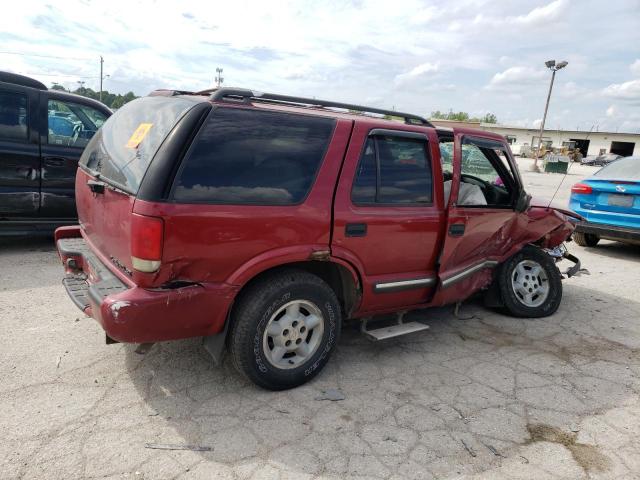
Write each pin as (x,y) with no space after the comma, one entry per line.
(560,252)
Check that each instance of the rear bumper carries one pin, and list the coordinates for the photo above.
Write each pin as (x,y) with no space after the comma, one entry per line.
(611,232)
(133,314)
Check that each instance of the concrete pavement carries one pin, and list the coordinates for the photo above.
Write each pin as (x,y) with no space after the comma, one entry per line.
(481,396)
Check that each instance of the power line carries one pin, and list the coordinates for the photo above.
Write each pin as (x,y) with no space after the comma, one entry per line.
(45,56)
(60,75)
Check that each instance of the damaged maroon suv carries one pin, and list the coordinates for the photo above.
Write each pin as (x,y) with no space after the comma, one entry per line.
(262,222)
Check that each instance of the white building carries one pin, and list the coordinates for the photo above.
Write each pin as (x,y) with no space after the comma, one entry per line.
(589,143)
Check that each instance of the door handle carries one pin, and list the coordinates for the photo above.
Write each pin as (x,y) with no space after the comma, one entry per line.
(355,230)
(54,161)
(456,229)
(95,187)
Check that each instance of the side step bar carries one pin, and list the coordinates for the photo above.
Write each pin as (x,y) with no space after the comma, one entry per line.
(400,328)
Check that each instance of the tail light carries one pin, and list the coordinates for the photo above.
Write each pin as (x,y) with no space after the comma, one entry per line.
(582,188)
(146,242)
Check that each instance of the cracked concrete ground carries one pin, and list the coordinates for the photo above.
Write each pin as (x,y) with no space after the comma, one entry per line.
(482,396)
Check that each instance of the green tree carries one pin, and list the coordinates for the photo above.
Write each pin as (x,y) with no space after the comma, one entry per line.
(489,118)
(463,117)
(118,102)
(111,100)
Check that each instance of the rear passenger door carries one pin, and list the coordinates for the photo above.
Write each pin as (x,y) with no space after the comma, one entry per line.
(67,128)
(19,153)
(387,215)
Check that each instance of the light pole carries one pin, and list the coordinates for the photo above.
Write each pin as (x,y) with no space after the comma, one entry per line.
(551,65)
(102,77)
(219,78)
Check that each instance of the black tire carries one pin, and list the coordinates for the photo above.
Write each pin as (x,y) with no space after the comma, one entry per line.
(251,316)
(585,239)
(511,299)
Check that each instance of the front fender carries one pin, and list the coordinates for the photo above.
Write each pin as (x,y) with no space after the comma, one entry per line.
(547,227)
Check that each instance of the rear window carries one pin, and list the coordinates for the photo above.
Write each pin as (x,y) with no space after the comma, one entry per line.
(253,157)
(623,169)
(123,148)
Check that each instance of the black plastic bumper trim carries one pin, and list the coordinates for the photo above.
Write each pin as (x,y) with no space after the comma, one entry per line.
(609,231)
(77,286)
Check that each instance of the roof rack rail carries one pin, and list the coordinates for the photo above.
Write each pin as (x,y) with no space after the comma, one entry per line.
(246,95)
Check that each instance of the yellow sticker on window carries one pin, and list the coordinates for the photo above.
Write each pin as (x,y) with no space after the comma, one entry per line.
(139,135)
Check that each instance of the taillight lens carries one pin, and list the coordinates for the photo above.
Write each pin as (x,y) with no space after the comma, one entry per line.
(581,188)
(146,242)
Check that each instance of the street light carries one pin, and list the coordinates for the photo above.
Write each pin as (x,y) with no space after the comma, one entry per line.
(219,79)
(554,67)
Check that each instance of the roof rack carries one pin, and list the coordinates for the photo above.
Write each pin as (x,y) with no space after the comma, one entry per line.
(222,94)
(17,79)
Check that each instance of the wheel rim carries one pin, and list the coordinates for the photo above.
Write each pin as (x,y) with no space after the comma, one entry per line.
(530,283)
(293,334)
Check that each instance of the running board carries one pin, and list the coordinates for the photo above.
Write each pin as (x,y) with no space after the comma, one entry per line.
(392,331)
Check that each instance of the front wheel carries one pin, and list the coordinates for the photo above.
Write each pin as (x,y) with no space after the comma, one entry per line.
(284,328)
(530,284)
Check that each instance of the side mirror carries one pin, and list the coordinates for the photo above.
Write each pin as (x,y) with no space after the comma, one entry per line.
(522,204)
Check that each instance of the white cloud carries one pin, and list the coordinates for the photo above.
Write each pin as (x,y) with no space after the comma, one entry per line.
(416,55)
(611,111)
(543,15)
(628,91)
(419,71)
(515,77)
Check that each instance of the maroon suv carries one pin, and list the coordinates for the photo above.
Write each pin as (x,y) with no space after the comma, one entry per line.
(260,222)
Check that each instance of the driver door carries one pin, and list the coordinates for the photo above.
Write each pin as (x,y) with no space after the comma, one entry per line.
(481,215)
(67,128)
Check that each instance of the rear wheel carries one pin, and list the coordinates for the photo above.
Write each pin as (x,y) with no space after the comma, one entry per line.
(284,328)
(586,239)
(530,284)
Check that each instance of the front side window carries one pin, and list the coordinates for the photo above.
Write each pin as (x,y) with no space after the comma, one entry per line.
(486,177)
(13,117)
(71,124)
(393,170)
(254,157)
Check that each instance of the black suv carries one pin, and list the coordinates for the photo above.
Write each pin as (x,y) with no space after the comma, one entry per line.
(42,135)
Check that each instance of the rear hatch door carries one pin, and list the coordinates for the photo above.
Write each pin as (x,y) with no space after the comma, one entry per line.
(112,168)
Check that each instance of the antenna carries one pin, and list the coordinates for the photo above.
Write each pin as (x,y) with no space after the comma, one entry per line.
(566,173)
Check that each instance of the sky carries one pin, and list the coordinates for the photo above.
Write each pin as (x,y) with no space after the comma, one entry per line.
(477,56)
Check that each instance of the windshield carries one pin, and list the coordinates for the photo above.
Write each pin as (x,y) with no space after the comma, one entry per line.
(626,168)
(123,148)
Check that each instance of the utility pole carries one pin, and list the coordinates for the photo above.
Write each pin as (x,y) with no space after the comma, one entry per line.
(219,79)
(551,65)
(101,64)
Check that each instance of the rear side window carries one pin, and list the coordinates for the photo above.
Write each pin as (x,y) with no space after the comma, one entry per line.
(253,157)
(13,117)
(124,146)
(393,170)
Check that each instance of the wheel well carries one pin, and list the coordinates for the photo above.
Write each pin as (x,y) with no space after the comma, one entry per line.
(338,277)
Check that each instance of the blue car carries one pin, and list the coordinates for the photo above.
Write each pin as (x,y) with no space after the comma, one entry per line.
(609,201)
